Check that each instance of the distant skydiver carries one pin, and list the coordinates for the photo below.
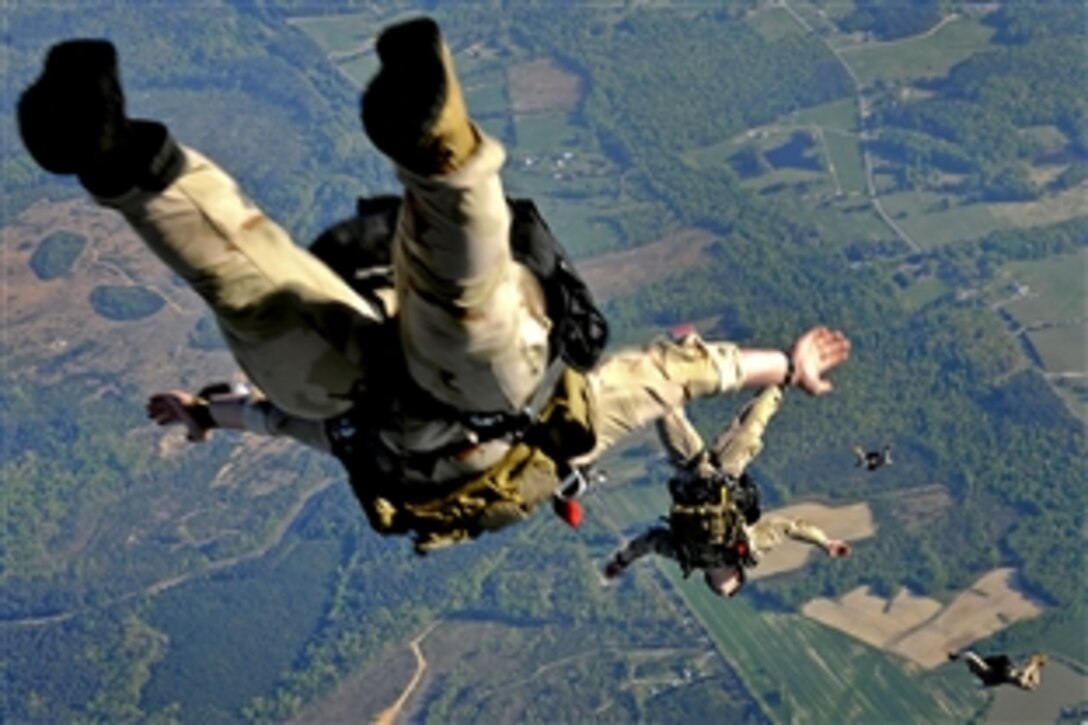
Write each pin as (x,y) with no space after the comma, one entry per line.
(873,460)
(469,363)
(715,522)
(999,669)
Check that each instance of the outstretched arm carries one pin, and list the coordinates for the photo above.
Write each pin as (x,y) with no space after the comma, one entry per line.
(177,407)
(233,412)
(637,386)
(814,353)
(773,529)
(657,540)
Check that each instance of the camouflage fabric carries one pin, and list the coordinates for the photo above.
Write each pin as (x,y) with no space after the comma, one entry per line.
(705,535)
(293,325)
(506,493)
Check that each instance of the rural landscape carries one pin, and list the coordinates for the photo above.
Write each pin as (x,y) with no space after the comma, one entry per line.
(914,173)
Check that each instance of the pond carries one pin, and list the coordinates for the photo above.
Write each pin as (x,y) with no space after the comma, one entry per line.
(797,153)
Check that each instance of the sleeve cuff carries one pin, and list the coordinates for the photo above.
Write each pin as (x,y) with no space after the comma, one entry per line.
(255,417)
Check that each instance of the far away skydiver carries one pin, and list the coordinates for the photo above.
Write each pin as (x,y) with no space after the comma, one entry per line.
(998,670)
(872,460)
(418,385)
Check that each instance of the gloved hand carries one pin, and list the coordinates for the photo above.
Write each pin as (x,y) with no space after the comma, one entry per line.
(613,569)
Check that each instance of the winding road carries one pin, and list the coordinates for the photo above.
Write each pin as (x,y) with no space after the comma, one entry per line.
(389,715)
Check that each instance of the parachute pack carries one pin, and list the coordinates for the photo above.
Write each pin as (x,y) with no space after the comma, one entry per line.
(359,249)
(707,518)
(440,515)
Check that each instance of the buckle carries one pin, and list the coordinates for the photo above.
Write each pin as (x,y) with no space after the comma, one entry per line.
(488,426)
(573,485)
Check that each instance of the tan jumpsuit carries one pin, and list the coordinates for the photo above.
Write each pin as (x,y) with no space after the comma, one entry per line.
(472,321)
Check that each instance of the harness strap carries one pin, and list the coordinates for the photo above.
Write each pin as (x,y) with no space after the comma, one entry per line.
(489,426)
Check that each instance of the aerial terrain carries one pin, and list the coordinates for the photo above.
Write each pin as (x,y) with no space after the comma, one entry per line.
(912,173)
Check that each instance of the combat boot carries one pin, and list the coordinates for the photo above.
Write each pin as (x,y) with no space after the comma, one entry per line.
(413,109)
(72,121)
(75,111)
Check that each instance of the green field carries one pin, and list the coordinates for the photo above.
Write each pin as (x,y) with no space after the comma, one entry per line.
(922,292)
(925,56)
(339,33)
(1057,287)
(765,138)
(1056,293)
(838,115)
(835,119)
(846,156)
(837,10)
(543,133)
(582,228)
(633,506)
(802,671)
(360,68)
(487,100)
(831,144)
(846,220)
(922,217)
(1061,348)
(773,23)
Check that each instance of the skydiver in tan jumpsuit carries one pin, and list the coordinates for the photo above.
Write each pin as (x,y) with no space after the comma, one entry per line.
(470,321)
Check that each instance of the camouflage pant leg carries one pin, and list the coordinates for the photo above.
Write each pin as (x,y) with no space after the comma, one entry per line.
(634,388)
(291,323)
(742,440)
(472,320)
(683,445)
(657,540)
(734,448)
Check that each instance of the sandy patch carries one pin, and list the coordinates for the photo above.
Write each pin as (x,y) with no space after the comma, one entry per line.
(615,273)
(989,606)
(362,694)
(390,714)
(53,331)
(542,86)
(874,620)
(1043,174)
(1069,204)
(920,628)
(907,606)
(849,523)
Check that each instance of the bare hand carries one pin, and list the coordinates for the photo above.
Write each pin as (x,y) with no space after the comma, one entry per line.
(837,549)
(814,354)
(172,408)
